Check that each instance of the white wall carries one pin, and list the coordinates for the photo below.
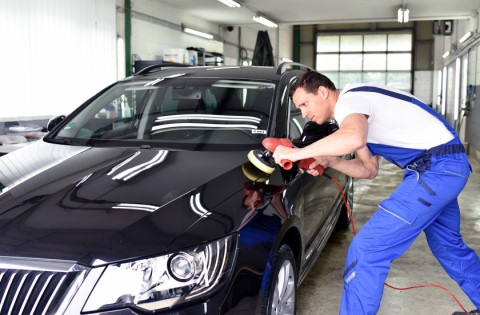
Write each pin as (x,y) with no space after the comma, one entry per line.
(463,57)
(149,38)
(58,53)
(55,54)
(285,42)
(281,39)
(422,85)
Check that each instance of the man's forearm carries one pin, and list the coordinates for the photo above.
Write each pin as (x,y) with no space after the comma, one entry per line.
(355,168)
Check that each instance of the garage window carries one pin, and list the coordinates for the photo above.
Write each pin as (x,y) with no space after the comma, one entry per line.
(384,59)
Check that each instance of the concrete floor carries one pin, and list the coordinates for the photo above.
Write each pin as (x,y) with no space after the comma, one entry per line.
(321,291)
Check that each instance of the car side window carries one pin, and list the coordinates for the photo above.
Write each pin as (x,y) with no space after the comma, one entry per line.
(296,122)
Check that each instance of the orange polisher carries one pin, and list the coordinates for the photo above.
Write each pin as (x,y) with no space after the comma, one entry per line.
(264,161)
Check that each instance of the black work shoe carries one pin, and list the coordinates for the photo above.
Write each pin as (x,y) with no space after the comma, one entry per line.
(467,313)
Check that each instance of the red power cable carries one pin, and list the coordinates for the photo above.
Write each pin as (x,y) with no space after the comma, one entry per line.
(386,284)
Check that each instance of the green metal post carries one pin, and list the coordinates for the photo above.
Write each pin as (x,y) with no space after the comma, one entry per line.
(128,38)
(296,43)
(239,59)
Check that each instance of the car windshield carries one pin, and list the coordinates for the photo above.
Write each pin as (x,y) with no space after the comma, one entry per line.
(174,111)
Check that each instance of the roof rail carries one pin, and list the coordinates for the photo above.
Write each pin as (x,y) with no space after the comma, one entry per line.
(283,67)
(161,65)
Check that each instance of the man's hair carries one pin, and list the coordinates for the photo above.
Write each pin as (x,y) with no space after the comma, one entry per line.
(311,81)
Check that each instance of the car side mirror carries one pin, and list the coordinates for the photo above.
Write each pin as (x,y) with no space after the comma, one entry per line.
(54,121)
(313,132)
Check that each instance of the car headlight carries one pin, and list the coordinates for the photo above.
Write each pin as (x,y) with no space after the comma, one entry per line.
(164,281)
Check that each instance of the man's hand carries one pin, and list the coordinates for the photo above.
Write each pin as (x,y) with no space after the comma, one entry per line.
(284,153)
(325,161)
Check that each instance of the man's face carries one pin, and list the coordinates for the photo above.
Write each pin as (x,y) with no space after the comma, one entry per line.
(312,106)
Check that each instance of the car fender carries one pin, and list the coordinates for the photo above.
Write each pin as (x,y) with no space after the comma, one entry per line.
(289,234)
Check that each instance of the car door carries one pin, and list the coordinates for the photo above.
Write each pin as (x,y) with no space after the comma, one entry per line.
(318,195)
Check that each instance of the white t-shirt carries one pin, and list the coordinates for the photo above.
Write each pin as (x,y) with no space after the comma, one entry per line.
(392,119)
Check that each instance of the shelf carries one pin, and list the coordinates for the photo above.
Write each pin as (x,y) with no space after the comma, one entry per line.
(205,58)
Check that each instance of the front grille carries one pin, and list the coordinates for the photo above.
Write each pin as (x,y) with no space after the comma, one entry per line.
(36,292)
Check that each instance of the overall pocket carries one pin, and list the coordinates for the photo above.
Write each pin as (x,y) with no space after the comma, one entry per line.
(455,165)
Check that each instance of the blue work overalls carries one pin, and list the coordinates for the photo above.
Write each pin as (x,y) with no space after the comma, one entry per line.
(426,200)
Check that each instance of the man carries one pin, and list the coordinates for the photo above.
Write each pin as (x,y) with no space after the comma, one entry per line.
(378,121)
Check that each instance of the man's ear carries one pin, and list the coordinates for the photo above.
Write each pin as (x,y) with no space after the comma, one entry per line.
(323,91)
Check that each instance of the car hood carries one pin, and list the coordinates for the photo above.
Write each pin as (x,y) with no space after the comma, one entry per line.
(100,205)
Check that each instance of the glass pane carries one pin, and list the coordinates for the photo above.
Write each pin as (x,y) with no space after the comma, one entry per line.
(375,43)
(151,111)
(464,79)
(351,43)
(400,42)
(297,122)
(399,80)
(327,43)
(374,62)
(349,77)
(350,62)
(378,78)
(327,62)
(333,76)
(399,61)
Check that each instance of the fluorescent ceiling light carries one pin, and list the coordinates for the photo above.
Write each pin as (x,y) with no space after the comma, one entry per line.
(406,15)
(197,33)
(399,15)
(265,21)
(465,37)
(403,14)
(231,3)
(446,54)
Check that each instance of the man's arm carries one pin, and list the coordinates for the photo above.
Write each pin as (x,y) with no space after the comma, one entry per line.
(363,166)
(349,138)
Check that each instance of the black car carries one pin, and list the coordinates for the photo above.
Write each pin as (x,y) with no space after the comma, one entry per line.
(143,200)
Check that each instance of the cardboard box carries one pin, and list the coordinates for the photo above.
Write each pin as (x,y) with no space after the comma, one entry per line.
(192,57)
(214,46)
(178,55)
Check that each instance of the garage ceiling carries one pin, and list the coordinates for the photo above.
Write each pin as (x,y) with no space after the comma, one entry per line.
(288,12)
